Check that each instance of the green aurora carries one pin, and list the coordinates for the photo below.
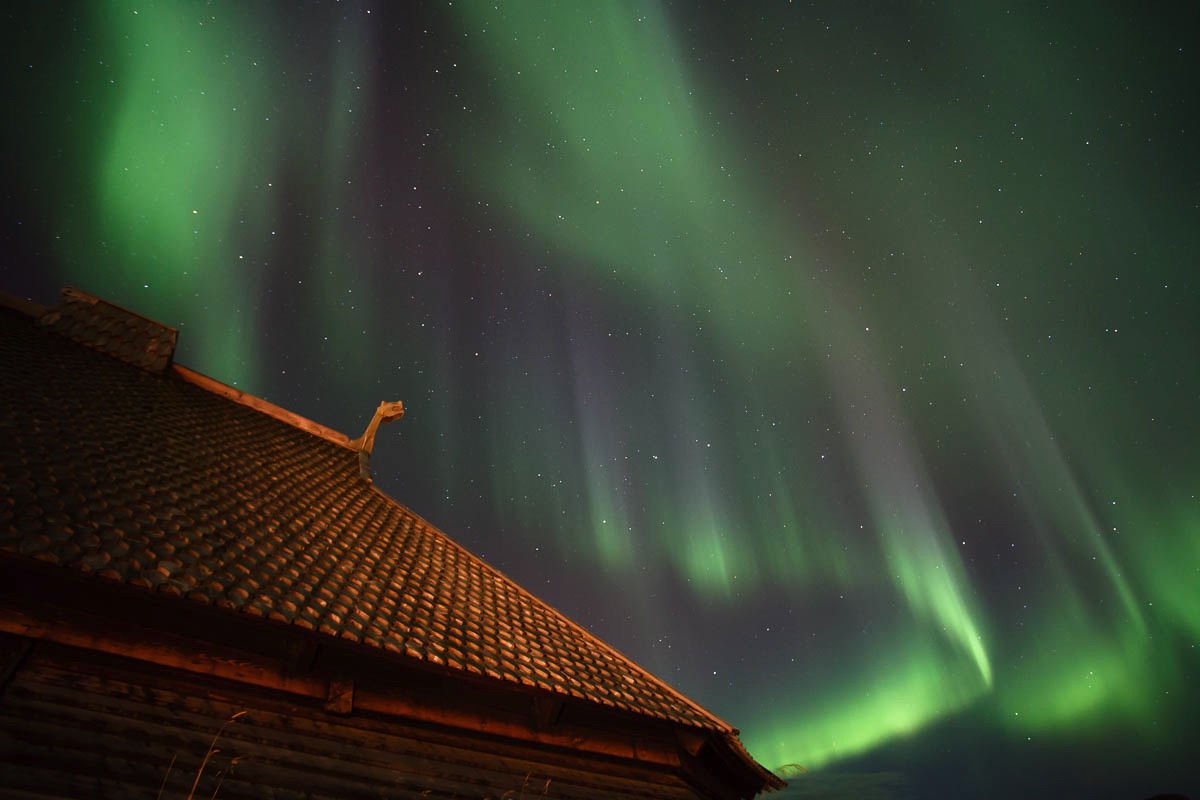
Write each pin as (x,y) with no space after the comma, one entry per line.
(626,174)
(869,343)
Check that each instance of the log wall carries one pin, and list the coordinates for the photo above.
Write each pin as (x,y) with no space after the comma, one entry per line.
(79,724)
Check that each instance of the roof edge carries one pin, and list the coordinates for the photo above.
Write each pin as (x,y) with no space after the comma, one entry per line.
(770,781)
(112,329)
(263,406)
(22,305)
(716,723)
(50,316)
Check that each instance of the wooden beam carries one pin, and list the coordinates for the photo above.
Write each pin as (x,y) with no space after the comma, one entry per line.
(341,696)
(190,656)
(13,659)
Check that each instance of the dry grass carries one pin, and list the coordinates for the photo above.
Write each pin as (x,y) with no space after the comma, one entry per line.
(212,751)
(525,791)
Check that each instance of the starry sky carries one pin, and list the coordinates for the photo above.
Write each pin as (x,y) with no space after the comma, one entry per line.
(837,362)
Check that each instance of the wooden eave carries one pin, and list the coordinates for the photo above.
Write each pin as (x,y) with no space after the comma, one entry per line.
(40,603)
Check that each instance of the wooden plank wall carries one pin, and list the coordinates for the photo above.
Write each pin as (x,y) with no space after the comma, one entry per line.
(76,724)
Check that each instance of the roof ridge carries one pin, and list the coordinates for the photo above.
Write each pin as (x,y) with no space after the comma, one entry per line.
(159,351)
(112,329)
(248,400)
(23,305)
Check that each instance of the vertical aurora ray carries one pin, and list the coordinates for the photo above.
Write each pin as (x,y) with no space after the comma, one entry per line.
(1076,660)
(683,233)
(1173,566)
(342,302)
(620,174)
(169,186)
(603,462)
(915,538)
(938,660)
(196,188)
(612,155)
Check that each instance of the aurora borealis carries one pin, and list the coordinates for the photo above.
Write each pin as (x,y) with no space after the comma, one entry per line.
(836,362)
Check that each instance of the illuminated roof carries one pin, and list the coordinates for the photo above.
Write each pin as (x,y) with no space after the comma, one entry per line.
(117,464)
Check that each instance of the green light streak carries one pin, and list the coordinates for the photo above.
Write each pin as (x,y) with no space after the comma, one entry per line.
(931,579)
(1079,666)
(915,538)
(875,699)
(342,302)
(707,559)
(184,133)
(1067,675)
(622,169)
(624,174)
(1172,568)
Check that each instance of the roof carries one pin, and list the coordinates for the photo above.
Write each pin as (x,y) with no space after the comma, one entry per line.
(120,465)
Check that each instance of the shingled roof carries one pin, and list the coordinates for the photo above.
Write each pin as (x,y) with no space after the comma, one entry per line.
(123,466)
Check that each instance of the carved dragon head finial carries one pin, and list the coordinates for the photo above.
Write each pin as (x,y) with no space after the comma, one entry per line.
(387,412)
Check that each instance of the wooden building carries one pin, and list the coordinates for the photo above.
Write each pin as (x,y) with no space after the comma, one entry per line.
(202,595)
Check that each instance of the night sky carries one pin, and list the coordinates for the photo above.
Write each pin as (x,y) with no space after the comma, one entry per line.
(836,362)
